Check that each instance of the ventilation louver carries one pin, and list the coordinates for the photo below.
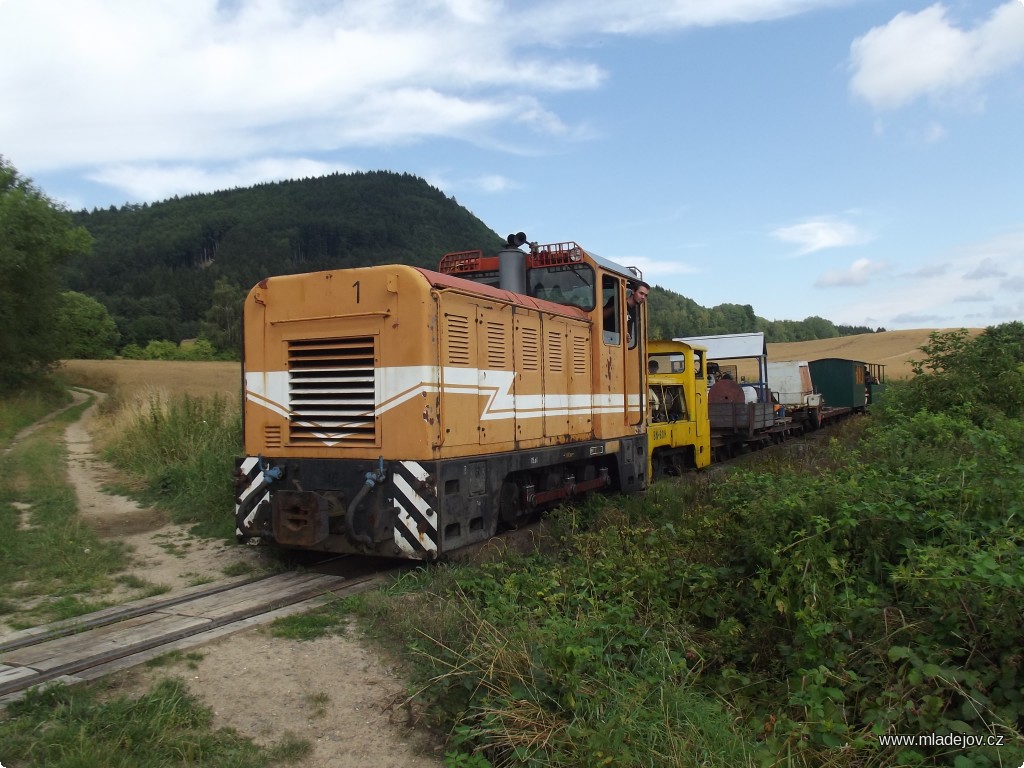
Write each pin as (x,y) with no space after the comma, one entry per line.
(332,391)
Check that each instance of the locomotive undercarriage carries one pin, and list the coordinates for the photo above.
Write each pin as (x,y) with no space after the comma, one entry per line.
(420,510)
(673,462)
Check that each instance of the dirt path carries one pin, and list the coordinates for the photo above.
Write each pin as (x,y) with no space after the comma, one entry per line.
(163,553)
(335,692)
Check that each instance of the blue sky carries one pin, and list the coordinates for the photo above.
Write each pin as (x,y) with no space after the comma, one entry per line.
(859,160)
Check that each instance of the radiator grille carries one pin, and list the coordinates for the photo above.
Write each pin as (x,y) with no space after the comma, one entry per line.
(332,391)
(458,340)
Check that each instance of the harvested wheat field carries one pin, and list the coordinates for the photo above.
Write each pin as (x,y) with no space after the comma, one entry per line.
(893,349)
(127,378)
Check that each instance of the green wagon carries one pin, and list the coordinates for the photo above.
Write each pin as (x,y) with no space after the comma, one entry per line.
(846,383)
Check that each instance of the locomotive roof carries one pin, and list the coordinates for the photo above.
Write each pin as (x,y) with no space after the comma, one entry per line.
(731,346)
(541,255)
(442,280)
(632,273)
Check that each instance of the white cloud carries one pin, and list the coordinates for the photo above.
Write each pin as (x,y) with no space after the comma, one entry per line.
(1013,284)
(985,269)
(496,183)
(820,233)
(655,16)
(660,271)
(152,182)
(918,318)
(927,54)
(190,80)
(1003,313)
(859,273)
(932,270)
(134,90)
(940,294)
(972,298)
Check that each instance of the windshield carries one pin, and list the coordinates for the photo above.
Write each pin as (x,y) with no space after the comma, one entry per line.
(571,284)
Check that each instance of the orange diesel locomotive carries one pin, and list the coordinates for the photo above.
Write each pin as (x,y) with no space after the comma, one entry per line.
(404,412)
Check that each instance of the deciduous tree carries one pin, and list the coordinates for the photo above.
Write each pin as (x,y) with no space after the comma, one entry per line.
(85,329)
(36,238)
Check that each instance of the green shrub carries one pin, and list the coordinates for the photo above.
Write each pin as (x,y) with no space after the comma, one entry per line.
(790,613)
(200,349)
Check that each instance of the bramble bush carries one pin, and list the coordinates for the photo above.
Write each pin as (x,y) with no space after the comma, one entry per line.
(787,614)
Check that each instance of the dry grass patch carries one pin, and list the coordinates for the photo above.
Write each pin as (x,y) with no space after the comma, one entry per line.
(127,378)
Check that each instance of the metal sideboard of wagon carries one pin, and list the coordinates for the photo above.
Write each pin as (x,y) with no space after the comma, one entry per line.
(822,391)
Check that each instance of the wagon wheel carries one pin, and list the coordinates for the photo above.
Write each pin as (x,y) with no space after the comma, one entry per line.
(815,418)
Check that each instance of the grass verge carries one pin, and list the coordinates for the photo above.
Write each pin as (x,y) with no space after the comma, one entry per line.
(53,566)
(21,409)
(165,727)
(51,563)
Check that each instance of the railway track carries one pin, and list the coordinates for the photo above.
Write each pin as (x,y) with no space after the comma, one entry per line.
(97,644)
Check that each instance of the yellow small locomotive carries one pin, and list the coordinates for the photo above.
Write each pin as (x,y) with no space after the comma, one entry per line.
(679,434)
(405,412)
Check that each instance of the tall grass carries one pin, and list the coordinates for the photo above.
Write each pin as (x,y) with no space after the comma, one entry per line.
(182,449)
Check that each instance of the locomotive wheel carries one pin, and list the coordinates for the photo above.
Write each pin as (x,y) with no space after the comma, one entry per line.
(589,472)
(510,507)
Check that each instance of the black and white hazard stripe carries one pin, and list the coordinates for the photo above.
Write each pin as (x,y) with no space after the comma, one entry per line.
(416,520)
(246,506)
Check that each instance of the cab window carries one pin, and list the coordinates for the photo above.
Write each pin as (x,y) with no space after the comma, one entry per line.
(611,301)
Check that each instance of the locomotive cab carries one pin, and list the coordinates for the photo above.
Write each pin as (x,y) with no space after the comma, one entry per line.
(679,435)
(404,412)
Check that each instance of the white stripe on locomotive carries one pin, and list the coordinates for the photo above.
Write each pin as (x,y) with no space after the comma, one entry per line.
(397,385)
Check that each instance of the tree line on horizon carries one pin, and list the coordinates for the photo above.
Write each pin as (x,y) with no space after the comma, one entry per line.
(137,280)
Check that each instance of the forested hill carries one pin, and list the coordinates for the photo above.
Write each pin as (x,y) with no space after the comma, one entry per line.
(155,266)
(672,315)
(178,269)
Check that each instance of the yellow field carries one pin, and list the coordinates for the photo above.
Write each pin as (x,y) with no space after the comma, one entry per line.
(127,378)
(893,349)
